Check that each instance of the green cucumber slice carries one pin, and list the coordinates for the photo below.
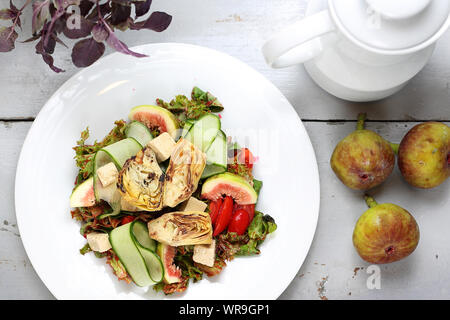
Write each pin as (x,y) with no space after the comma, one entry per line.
(187,126)
(147,247)
(140,232)
(114,202)
(117,153)
(216,156)
(139,132)
(154,264)
(204,131)
(124,246)
(217,153)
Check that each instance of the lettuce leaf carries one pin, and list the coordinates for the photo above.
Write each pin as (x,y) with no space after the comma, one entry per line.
(84,153)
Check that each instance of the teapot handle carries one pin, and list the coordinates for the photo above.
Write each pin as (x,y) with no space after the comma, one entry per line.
(296,43)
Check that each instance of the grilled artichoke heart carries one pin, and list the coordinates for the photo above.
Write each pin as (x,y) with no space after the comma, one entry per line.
(186,166)
(182,228)
(141,181)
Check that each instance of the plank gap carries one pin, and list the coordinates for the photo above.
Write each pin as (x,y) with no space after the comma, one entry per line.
(19,119)
(374,120)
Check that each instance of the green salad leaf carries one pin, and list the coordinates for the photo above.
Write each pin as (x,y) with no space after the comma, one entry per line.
(261,226)
(257,185)
(230,244)
(184,108)
(84,153)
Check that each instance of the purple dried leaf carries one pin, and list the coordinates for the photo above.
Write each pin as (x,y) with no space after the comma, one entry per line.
(33,38)
(119,46)
(124,26)
(142,7)
(158,21)
(12,6)
(104,9)
(77,27)
(85,7)
(7,14)
(86,52)
(122,2)
(58,14)
(41,12)
(48,59)
(60,24)
(7,38)
(18,22)
(99,33)
(49,47)
(119,13)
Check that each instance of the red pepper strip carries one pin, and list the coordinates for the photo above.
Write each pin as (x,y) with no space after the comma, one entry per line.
(214,207)
(127,219)
(224,216)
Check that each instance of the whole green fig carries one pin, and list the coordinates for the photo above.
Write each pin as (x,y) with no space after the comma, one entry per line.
(385,233)
(363,159)
(424,155)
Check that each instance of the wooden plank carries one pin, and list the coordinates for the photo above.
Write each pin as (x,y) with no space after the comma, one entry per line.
(238,28)
(18,279)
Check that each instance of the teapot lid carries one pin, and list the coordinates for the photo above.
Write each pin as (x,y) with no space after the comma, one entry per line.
(391,26)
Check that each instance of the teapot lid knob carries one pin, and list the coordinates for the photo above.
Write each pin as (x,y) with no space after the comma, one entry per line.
(391,26)
(398,9)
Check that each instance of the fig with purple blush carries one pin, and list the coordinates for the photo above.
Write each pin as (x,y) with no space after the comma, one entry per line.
(385,233)
(424,155)
(363,159)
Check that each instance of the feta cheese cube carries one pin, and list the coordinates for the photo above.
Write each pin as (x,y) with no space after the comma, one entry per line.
(98,241)
(205,254)
(193,204)
(163,146)
(107,174)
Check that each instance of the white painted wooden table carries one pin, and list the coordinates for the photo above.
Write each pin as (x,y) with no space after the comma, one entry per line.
(332,270)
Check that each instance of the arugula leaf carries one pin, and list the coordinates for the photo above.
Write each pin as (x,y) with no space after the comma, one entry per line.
(207,98)
(184,108)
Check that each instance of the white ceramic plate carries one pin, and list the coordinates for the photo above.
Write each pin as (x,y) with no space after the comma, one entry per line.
(255,112)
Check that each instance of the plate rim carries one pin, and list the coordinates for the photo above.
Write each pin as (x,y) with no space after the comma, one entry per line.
(47,105)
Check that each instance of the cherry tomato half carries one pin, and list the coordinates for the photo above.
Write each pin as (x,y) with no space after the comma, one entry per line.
(239,222)
(246,157)
(127,219)
(224,216)
(214,207)
(250,208)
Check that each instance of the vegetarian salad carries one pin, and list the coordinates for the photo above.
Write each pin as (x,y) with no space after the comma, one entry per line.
(167,197)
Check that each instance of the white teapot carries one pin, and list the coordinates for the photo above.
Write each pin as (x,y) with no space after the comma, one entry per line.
(362,50)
